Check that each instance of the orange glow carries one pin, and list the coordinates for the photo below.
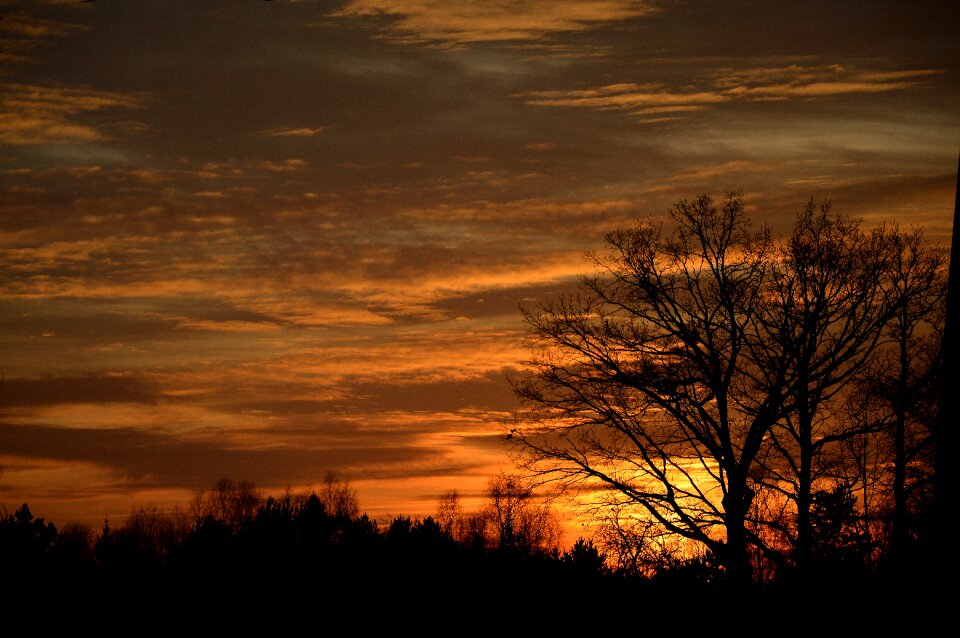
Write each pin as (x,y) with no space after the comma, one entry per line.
(230,254)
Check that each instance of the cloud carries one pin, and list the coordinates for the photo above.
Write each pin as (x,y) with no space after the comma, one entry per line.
(463,22)
(540,146)
(759,83)
(530,214)
(430,354)
(158,459)
(286,166)
(489,392)
(238,168)
(269,327)
(226,326)
(622,97)
(23,25)
(21,32)
(711,172)
(504,303)
(88,389)
(916,200)
(307,310)
(31,114)
(832,79)
(296,132)
(414,288)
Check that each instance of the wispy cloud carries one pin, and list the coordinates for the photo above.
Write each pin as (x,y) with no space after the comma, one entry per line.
(624,96)
(415,289)
(295,132)
(34,27)
(31,114)
(289,165)
(713,171)
(21,32)
(462,22)
(774,83)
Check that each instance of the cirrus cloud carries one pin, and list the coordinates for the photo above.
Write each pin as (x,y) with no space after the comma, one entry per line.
(770,83)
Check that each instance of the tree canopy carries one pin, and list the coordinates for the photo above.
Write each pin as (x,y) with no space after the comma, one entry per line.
(695,383)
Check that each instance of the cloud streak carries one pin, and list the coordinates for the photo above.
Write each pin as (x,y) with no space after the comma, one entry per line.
(774,83)
(296,132)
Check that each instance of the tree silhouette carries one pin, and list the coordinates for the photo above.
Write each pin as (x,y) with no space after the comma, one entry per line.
(450,515)
(25,541)
(521,522)
(656,386)
(906,382)
(338,497)
(585,559)
(696,386)
(830,300)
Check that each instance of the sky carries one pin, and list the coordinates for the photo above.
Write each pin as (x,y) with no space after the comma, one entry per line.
(269,240)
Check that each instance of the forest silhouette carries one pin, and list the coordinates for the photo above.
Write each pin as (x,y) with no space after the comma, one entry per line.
(749,419)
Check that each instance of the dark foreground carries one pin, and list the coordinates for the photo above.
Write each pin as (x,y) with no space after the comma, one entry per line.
(303,568)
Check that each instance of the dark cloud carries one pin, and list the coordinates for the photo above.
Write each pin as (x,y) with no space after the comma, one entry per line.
(149,459)
(79,319)
(92,389)
(502,303)
(863,28)
(492,392)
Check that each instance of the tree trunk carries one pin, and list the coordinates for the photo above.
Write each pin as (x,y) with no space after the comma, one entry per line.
(804,547)
(899,540)
(736,559)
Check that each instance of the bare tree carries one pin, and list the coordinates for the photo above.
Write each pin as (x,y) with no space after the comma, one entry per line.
(899,390)
(639,546)
(233,504)
(338,497)
(450,515)
(520,519)
(656,386)
(862,464)
(708,362)
(829,303)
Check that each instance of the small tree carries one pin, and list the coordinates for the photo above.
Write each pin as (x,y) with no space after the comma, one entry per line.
(339,498)
(228,503)
(521,521)
(450,515)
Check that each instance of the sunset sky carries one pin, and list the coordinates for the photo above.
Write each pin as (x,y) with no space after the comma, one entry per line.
(268,240)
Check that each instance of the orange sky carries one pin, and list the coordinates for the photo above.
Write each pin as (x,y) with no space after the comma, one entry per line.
(266,240)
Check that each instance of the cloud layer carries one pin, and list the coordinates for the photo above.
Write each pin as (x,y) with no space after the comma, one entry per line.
(274,240)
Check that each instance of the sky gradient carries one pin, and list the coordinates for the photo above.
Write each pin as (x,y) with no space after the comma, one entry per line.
(268,240)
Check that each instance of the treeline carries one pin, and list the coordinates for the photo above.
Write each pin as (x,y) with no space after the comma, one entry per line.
(233,548)
(232,540)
